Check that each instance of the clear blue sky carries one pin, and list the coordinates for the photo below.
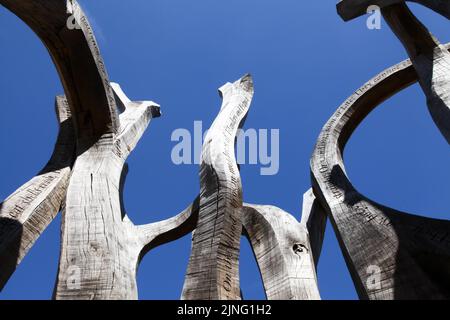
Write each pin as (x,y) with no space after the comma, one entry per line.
(305,61)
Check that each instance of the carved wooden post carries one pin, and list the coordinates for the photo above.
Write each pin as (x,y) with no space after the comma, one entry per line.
(99,244)
(213,266)
(390,254)
(101,248)
(26,213)
(430,59)
(284,250)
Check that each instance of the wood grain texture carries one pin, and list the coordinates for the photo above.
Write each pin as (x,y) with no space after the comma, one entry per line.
(351,9)
(26,213)
(283,251)
(408,254)
(99,244)
(430,60)
(213,271)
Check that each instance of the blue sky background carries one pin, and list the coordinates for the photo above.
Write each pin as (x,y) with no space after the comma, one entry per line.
(305,61)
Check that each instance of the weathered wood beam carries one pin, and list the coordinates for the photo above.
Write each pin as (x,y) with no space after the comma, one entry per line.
(390,254)
(213,272)
(430,59)
(283,250)
(351,9)
(26,213)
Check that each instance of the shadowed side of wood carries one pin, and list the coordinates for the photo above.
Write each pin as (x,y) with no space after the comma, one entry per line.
(213,272)
(314,218)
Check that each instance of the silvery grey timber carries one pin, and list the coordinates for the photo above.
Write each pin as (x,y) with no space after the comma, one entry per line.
(99,126)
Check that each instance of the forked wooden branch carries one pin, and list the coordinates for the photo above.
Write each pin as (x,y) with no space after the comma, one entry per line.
(213,272)
(101,248)
(283,249)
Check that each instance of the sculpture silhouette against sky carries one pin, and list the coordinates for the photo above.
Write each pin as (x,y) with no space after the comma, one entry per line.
(99,126)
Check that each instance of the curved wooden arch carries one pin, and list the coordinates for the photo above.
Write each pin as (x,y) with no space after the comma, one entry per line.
(77,58)
(390,254)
